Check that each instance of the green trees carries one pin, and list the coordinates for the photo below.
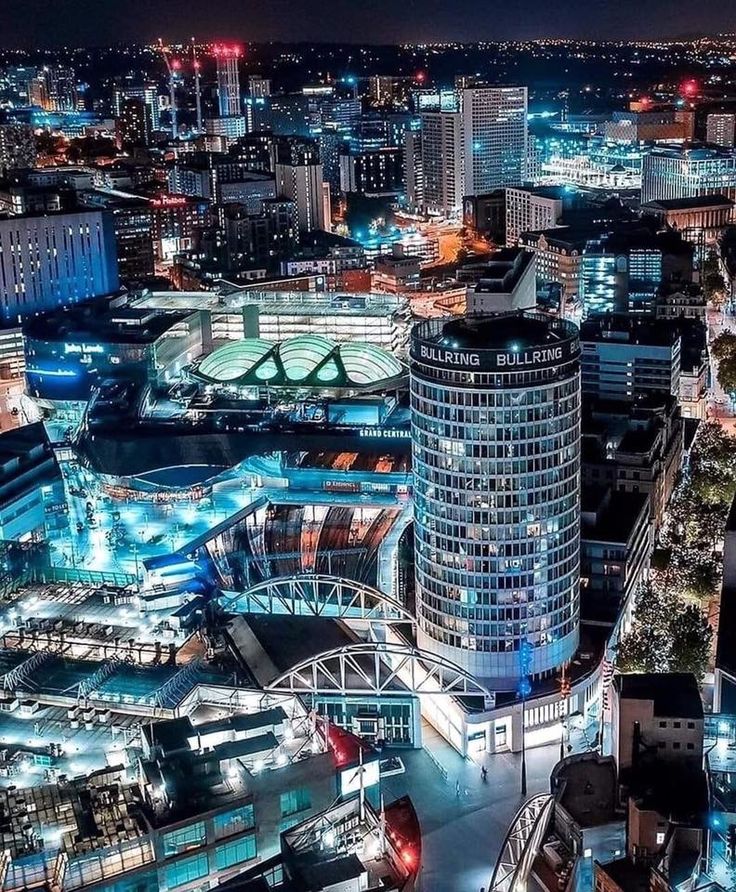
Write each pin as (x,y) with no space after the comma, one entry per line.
(724,350)
(668,635)
(714,285)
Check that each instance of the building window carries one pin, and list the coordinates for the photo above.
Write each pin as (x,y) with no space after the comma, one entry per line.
(691,725)
(676,745)
(186,871)
(660,838)
(234,821)
(178,841)
(235,852)
(691,746)
(676,724)
(663,724)
(295,801)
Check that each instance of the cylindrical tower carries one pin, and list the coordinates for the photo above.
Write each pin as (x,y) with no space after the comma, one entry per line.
(495,405)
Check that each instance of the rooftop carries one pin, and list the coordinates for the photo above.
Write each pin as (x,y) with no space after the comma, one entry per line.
(502,331)
(626,329)
(674,694)
(307,360)
(693,203)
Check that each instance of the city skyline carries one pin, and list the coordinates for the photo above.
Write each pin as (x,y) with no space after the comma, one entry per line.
(89,24)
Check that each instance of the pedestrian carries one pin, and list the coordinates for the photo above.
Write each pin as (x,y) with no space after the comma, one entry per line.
(484,773)
(457,789)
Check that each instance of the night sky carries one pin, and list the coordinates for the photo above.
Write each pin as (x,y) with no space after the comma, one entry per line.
(37,23)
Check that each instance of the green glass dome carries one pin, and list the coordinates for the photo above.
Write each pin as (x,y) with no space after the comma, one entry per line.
(308,359)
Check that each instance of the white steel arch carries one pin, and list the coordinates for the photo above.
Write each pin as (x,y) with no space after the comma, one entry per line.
(319,595)
(378,668)
(521,845)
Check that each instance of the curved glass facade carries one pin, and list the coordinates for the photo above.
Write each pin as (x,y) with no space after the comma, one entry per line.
(495,407)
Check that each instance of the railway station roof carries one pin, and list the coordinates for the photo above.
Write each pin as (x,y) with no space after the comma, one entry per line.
(307,360)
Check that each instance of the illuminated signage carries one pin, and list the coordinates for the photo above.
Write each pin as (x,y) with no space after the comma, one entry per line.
(84,348)
(450,357)
(530,357)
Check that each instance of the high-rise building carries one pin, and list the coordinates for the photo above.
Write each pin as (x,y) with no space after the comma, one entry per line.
(259,87)
(413,166)
(298,173)
(495,138)
(378,172)
(720,129)
(625,357)
(529,209)
(17,147)
(681,172)
(146,93)
(228,79)
(54,89)
(495,406)
(55,260)
(133,124)
(441,153)
(623,270)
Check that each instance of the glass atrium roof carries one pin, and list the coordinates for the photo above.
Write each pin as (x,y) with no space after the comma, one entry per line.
(307,359)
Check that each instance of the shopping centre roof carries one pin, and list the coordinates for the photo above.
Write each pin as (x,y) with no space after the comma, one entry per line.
(307,359)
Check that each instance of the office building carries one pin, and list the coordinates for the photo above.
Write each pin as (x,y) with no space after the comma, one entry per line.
(228,79)
(700,220)
(681,172)
(55,260)
(258,86)
(54,89)
(31,485)
(146,93)
(133,124)
(650,126)
(506,282)
(623,268)
(663,710)
(559,253)
(414,166)
(486,215)
(17,147)
(634,447)
(616,541)
(720,129)
(624,357)
(231,127)
(378,173)
(495,403)
(495,138)
(442,161)
(298,173)
(133,225)
(532,209)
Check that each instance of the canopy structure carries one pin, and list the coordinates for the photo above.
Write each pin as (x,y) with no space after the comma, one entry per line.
(306,360)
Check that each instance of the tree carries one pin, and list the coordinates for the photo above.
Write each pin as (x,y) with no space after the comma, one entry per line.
(668,635)
(691,641)
(723,349)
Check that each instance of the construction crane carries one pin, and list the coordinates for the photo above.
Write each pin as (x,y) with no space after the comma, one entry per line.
(172,66)
(197,93)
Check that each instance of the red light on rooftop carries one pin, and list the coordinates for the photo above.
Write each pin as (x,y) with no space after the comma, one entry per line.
(421,77)
(175,64)
(690,88)
(227,51)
